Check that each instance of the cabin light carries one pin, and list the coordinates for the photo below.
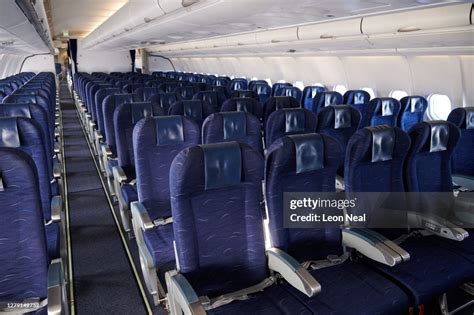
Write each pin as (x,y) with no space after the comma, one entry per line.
(408,29)
(147,20)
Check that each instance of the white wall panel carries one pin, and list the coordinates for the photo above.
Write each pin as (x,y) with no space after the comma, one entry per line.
(40,63)
(103,61)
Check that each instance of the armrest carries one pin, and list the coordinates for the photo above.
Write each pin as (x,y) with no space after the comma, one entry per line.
(119,174)
(182,293)
(98,135)
(374,246)
(55,290)
(56,208)
(106,150)
(140,214)
(57,147)
(57,171)
(292,272)
(438,226)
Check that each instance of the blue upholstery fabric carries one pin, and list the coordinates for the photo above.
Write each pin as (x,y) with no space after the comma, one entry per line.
(326,98)
(153,161)
(278,102)
(427,171)
(213,129)
(361,174)
(195,109)
(159,242)
(24,260)
(356,97)
(214,99)
(292,91)
(144,93)
(109,105)
(381,111)
(238,84)
(129,193)
(186,92)
(327,122)
(263,90)
(288,122)
(165,100)
(92,106)
(126,116)
(168,87)
(205,245)
(277,87)
(463,163)
(245,93)
(100,96)
(243,104)
(309,92)
(412,111)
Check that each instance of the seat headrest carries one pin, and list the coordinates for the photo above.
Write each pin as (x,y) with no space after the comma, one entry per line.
(439,135)
(416,104)
(111,91)
(356,97)
(295,120)
(222,164)
(331,98)
(141,110)
(169,130)
(342,116)
(244,104)
(469,117)
(235,125)
(309,150)
(9,137)
(312,91)
(123,98)
(22,98)
(193,109)
(283,102)
(15,110)
(383,142)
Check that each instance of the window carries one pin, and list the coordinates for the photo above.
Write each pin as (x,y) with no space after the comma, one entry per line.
(370,91)
(398,94)
(269,81)
(254,79)
(340,88)
(319,84)
(281,81)
(439,107)
(299,85)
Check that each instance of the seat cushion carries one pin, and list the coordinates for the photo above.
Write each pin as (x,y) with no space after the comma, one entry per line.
(430,272)
(159,242)
(352,288)
(129,193)
(52,240)
(111,164)
(464,248)
(272,300)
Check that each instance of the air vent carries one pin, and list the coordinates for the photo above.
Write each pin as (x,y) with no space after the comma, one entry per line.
(187,3)
(7,43)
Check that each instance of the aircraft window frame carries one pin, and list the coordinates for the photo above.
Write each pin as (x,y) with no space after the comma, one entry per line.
(299,84)
(371,92)
(398,94)
(439,106)
(341,88)
(269,81)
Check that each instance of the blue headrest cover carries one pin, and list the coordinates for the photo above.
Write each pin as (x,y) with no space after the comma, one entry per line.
(314,90)
(281,102)
(23,98)
(244,105)
(387,107)
(309,150)
(222,164)
(111,91)
(141,110)
(15,110)
(439,135)
(235,125)
(416,104)
(169,130)
(9,137)
(383,142)
(123,98)
(469,118)
(359,97)
(331,98)
(342,116)
(193,109)
(295,120)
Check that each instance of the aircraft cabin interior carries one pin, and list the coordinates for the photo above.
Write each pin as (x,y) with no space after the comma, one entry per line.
(299,157)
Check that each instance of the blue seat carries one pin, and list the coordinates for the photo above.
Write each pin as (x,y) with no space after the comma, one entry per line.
(233,126)
(263,90)
(100,96)
(356,97)
(277,87)
(168,87)
(222,81)
(132,87)
(412,111)
(309,93)
(463,163)
(238,84)
(165,100)
(324,99)
(26,271)
(245,94)
(156,141)
(126,115)
(195,109)
(217,220)
(292,91)
(289,121)
(214,99)
(143,94)
(339,122)
(186,92)
(246,104)
(278,102)
(381,111)
(308,163)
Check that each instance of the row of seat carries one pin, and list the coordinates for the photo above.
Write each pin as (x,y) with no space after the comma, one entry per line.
(31,193)
(161,161)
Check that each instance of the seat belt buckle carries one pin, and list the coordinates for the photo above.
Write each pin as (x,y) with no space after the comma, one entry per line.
(334,259)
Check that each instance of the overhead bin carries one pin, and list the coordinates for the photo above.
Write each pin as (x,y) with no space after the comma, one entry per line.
(418,20)
(277,36)
(330,30)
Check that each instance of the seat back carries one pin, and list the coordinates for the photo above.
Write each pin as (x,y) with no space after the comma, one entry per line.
(289,121)
(238,84)
(186,92)
(24,257)
(109,105)
(277,87)
(381,111)
(463,163)
(324,99)
(100,96)
(156,142)
(132,87)
(428,162)
(301,163)
(165,100)
(278,102)
(356,97)
(233,126)
(245,93)
(374,160)
(144,93)
(126,115)
(248,105)
(263,90)
(168,87)
(217,219)
(292,91)
(214,99)
(412,111)
(34,99)
(222,81)
(309,93)
(195,109)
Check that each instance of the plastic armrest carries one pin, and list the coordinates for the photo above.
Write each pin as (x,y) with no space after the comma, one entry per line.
(119,174)
(106,150)
(292,272)
(140,214)
(57,171)
(55,290)
(56,208)
(182,293)
(438,226)
(57,147)
(374,246)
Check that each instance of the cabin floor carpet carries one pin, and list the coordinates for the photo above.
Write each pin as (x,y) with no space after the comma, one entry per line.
(102,276)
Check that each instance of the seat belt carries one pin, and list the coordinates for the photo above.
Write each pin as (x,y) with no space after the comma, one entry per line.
(404,237)
(23,307)
(163,221)
(331,260)
(239,295)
